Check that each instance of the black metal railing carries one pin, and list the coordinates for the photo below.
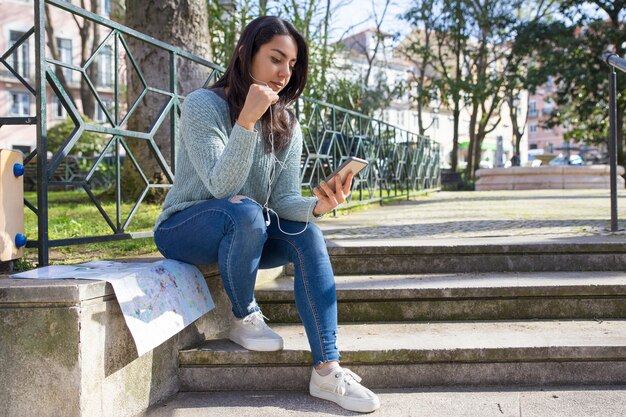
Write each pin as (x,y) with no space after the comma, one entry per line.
(400,161)
(614,61)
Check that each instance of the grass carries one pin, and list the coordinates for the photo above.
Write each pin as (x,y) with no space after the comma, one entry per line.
(71,214)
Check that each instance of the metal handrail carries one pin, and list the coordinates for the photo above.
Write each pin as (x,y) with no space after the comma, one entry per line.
(400,161)
(614,61)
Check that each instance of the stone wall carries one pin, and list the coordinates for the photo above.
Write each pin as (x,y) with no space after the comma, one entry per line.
(65,349)
(547,177)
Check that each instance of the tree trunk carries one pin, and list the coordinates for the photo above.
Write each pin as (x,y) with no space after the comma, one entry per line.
(86,95)
(325,61)
(454,158)
(89,101)
(457,105)
(420,122)
(478,143)
(469,169)
(181,23)
(54,51)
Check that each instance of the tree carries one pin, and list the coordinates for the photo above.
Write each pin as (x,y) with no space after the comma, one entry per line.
(419,50)
(89,33)
(451,38)
(571,50)
(181,23)
(524,75)
(225,28)
(312,21)
(367,91)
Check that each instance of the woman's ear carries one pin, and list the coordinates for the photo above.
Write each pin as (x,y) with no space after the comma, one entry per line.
(239,52)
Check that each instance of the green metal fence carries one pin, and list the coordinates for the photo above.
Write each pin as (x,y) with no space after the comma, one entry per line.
(401,162)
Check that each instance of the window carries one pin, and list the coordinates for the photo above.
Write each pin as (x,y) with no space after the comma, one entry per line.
(59,111)
(547,110)
(533,128)
(20,104)
(435,122)
(100,114)
(105,8)
(532,146)
(65,55)
(105,67)
(532,109)
(19,60)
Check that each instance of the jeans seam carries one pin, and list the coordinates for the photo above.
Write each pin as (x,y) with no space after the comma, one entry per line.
(311,304)
(232,289)
(230,281)
(192,218)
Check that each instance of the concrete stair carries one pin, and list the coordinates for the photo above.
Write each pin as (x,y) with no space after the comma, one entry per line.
(511,254)
(517,314)
(403,355)
(482,296)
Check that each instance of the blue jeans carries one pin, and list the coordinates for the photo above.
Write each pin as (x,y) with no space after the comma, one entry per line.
(232,232)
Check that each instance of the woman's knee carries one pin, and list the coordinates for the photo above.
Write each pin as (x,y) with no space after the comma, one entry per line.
(312,241)
(314,233)
(246,214)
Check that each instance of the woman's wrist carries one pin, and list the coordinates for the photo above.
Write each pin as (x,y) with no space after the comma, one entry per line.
(246,125)
(316,210)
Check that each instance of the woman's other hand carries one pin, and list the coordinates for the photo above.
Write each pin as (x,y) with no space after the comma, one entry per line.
(329,199)
(259,98)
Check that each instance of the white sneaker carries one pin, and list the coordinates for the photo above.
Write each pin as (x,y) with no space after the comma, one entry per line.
(252,333)
(342,386)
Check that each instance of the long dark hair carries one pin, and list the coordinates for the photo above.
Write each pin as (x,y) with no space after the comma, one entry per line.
(237,77)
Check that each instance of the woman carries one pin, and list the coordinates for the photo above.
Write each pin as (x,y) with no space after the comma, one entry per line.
(236,200)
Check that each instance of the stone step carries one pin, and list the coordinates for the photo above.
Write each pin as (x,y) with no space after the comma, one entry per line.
(514,254)
(404,355)
(481,296)
(597,401)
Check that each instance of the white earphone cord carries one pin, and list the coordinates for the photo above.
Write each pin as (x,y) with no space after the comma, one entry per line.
(272,177)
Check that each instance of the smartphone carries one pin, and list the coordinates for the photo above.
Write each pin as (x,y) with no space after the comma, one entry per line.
(352,164)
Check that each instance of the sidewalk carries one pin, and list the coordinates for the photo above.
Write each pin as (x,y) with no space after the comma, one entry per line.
(488,214)
(428,402)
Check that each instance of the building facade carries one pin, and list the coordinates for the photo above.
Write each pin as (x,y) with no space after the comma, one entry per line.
(16,19)
(540,106)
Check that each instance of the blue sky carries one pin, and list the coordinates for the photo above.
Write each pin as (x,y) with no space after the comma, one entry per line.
(358,11)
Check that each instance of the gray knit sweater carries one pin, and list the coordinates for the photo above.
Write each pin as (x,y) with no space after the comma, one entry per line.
(215,159)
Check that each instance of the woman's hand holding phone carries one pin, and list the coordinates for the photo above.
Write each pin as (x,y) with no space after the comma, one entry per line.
(329,199)
(258,100)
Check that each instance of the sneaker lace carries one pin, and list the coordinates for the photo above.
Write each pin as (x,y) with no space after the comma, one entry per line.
(256,318)
(345,377)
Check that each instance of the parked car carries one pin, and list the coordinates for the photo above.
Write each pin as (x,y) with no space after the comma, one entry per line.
(563,160)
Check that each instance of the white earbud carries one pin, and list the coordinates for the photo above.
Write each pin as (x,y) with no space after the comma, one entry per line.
(268,221)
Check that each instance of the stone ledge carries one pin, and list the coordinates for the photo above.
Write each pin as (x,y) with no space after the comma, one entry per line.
(547,177)
(69,352)
(57,292)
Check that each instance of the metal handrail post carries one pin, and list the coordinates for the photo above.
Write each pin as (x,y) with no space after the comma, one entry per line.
(42,149)
(614,61)
(613,145)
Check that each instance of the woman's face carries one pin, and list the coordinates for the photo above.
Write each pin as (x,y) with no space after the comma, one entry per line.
(274,61)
